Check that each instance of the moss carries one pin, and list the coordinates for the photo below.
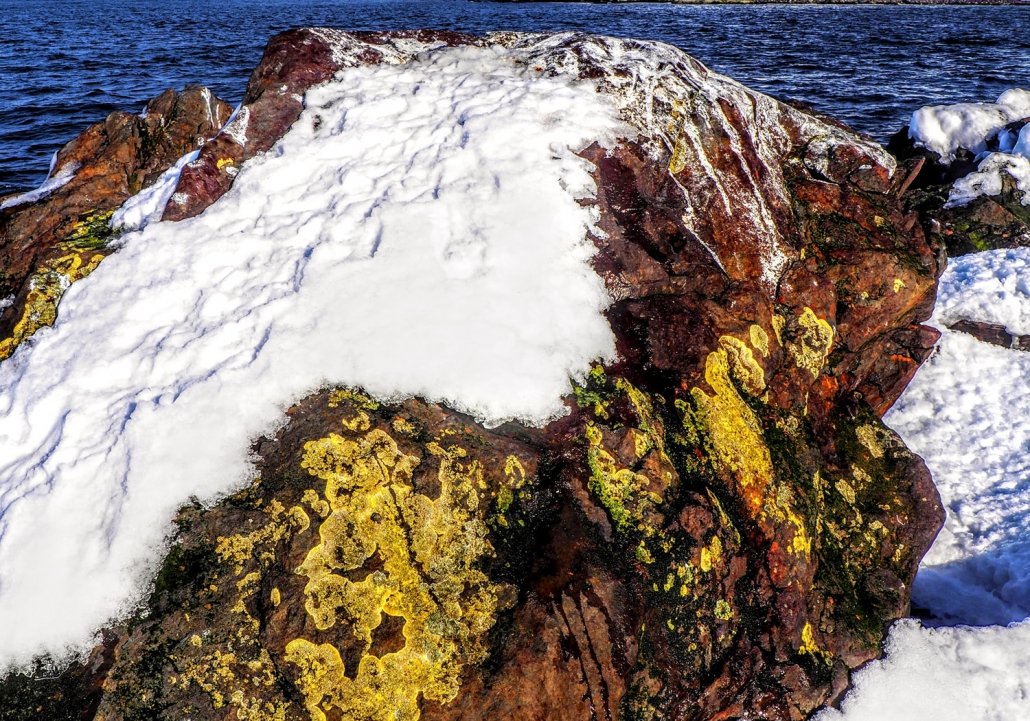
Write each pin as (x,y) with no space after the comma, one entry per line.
(630,493)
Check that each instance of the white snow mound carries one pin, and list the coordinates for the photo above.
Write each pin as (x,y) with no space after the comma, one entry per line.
(417,232)
(946,128)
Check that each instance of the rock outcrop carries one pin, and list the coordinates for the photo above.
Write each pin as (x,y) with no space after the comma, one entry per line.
(52,242)
(1001,220)
(720,527)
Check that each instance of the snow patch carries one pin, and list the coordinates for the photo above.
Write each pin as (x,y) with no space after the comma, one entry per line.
(149,204)
(945,129)
(943,674)
(990,178)
(52,183)
(236,126)
(418,231)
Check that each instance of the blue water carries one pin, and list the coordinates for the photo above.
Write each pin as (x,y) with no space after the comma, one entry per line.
(67,63)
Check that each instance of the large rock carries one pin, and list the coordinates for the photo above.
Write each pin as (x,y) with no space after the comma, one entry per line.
(721,526)
(59,239)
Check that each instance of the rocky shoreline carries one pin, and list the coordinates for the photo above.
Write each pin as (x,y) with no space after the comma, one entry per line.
(720,526)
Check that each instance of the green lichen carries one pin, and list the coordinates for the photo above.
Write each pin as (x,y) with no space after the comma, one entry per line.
(71,260)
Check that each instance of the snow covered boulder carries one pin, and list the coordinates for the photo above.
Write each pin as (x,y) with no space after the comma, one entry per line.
(518,376)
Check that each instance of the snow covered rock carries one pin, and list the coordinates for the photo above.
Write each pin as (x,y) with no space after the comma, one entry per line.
(58,234)
(709,521)
(972,183)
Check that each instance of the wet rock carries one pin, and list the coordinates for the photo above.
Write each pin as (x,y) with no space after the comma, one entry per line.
(720,527)
(47,244)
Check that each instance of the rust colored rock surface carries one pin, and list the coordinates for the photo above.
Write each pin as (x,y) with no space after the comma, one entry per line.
(992,333)
(47,244)
(721,527)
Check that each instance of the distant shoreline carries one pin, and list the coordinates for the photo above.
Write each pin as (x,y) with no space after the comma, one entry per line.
(1015,3)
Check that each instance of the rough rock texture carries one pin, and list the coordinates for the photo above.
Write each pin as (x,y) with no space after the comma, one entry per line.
(46,245)
(721,527)
(993,333)
(999,221)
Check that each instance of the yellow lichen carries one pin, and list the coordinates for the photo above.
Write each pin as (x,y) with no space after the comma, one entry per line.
(403,426)
(743,367)
(898,285)
(723,610)
(810,647)
(359,422)
(759,339)
(514,481)
(428,552)
(47,285)
(869,437)
(358,399)
(844,488)
(811,346)
(734,431)
(239,548)
(710,554)
(778,323)
(862,478)
(317,504)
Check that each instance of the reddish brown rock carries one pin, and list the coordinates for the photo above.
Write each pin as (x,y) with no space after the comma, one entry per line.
(47,244)
(721,527)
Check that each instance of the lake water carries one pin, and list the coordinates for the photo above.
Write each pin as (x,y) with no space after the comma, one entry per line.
(67,63)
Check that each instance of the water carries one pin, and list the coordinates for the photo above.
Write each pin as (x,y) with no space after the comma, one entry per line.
(67,63)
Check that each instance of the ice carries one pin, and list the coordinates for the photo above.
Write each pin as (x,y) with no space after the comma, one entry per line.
(419,231)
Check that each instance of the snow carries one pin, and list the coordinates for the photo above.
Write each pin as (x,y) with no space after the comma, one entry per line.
(967,413)
(944,674)
(418,231)
(236,126)
(945,129)
(52,183)
(149,204)
(988,179)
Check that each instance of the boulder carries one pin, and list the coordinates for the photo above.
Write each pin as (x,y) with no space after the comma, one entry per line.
(50,242)
(720,527)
